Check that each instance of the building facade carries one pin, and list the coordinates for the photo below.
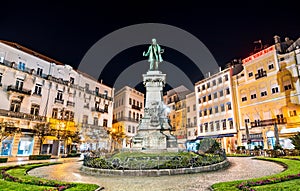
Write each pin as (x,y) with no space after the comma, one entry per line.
(216,115)
(128,110)
(37,89)
(191,116)
(268,97)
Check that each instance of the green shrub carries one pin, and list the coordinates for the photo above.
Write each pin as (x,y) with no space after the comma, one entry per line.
(3,160)
(74,155)
(39,157)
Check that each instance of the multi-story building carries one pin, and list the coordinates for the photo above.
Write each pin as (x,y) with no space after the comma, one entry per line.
(216,116)
(36,89)
(176,101)
(268,96)
(191,116)
(128,110)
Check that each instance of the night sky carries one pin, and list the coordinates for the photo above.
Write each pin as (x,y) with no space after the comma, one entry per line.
(66,30)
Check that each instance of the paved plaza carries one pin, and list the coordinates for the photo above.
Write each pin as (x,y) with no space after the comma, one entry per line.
(241,168)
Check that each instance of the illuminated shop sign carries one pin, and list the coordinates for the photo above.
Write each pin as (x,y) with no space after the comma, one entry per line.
(258,54)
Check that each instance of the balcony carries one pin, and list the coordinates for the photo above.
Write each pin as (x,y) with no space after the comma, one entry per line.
(268,122)
(20,115)
(19,90)
(261,75)
(70,103)
(97,109)
(60,101)
(136,107)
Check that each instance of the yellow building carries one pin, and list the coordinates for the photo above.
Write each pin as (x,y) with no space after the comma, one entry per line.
(267,99)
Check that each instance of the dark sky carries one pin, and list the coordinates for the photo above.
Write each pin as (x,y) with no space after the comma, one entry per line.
(66,30)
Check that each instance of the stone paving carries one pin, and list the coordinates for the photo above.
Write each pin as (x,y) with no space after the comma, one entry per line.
(241,168)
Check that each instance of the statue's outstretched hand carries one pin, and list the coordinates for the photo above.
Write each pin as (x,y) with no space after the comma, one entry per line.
(144,54)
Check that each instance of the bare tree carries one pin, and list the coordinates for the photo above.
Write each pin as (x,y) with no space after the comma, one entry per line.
(41,131)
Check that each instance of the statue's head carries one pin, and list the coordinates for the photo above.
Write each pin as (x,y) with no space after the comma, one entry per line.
(154,41)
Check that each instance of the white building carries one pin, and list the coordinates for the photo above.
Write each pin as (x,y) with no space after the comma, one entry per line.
(35,88)
(128,110)
(216,117)
(191,115)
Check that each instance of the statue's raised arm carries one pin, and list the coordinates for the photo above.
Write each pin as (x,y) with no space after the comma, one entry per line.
(154,52)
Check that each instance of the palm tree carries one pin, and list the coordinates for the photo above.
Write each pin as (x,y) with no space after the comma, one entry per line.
(296,141)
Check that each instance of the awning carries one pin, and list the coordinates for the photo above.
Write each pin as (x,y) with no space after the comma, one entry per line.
(217,136)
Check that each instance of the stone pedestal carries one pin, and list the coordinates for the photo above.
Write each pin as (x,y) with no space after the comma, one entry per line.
(154,130)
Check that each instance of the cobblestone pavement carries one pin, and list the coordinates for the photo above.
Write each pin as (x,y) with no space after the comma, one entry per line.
(241,168)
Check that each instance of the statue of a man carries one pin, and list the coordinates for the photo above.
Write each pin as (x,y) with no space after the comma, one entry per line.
(154,52)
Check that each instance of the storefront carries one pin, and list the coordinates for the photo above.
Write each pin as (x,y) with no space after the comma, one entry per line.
(25,145)
(7,146)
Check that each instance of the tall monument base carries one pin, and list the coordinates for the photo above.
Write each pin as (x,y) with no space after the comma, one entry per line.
(154,131)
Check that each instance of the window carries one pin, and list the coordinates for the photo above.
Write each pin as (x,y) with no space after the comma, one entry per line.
(224,124)
(55,113)
(229,106)
(72,80)
(15,106)
(133,103)
(275,90)
(34,110)
(199,100)
(201,129)
(59,95)
(19,84)
(38,89)
(104,122)
(39,71)
(129,129)
(96,121)
(250,74)
(211,124)
(133,129)
(216,109)
(208,85)
(271,66)
(210,111)
(105,93)
(231,124)
(188,109)
(206,127)
(227,91)
(209,97)
(1,79)
(141,116)
(106,108)
(222,107)
(96,90)
(205,112)
(194,107)
(204,98)
(215,95)
(129,114)
(247,120)
(244,99)
(214,82)
(253,96)
(21,66)
(195,120)
(129,101)
(293,113)
(85,119)
(288,87)
(217,125)
(219,80)
(141,105)
(198,89)
(200,113)
(68,115)
(87,87)
(263,93)
(203,87)
(226,77)
(221,93)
